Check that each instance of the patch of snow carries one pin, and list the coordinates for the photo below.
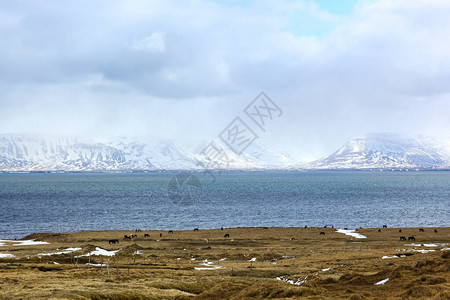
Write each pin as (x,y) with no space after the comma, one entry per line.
(292,281)
(6,255)
(253,259)
(327,269)
(22,243)
(208,268)
(445,249)
(351,233)
(100,251)
(222,259)
(95,265)
(65,251)
(422,250)
(395,256)
(208,265)
(427,245)
(138,252)
(382,282)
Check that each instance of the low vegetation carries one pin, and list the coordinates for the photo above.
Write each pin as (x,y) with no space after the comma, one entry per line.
(253,263)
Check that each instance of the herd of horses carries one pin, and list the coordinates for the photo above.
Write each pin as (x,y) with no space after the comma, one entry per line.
(227,235)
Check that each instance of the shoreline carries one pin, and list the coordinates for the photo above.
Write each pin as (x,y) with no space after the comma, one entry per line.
(213,229)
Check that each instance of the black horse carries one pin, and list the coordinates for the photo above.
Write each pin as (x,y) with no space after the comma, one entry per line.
(411,238)
(402,238)
(113,241)
(227,235)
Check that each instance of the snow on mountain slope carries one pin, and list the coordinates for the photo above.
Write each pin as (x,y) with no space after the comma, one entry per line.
(387,151)
(56,153)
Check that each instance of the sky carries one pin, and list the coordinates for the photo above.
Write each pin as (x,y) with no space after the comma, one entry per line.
(185,69)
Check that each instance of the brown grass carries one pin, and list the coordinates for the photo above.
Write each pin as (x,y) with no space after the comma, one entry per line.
(166,269)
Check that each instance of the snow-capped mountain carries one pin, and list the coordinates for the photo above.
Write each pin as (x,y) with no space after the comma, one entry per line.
(387,151)
(24,152)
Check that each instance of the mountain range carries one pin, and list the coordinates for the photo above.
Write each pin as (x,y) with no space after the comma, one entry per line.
(27,152)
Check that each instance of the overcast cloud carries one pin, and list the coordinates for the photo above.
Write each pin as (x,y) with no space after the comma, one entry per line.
(185,69)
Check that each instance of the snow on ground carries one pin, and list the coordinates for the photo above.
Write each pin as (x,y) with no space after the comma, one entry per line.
(327,269)
(208,265)
(395,256)
(100,251)
(422,250)
(95,265)
(382,282)
(64,251)
(445,249)
(22,243)
(6,255)
(427,245)
(292,281)
(351,233)
(29,243)
(138,252)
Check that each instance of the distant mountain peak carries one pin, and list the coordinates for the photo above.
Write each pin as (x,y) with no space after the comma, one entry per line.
(387,151)
(28,152)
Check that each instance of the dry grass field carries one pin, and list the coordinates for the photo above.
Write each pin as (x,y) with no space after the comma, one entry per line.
(253,263)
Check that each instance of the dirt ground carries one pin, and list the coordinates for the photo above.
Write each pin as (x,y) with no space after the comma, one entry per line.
(252,263)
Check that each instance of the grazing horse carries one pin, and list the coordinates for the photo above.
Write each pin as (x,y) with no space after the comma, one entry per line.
(435,231)
(421,230)
(345,228)
(146,235)
(221,228)
(379,230)
(227,235)
(195,229)
(306,226)
(113,241)
(384,226)
(265,228)
(411,238)
(323,233)
(160,235)
(170,231)
(126,237)
(402,238)
(399,230)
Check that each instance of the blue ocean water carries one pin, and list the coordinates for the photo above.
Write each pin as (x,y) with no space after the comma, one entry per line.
(74,202)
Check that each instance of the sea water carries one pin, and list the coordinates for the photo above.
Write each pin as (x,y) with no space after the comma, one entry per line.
(68,202)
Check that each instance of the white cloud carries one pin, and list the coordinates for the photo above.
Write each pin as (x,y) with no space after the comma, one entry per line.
(153,43)
(107,67)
